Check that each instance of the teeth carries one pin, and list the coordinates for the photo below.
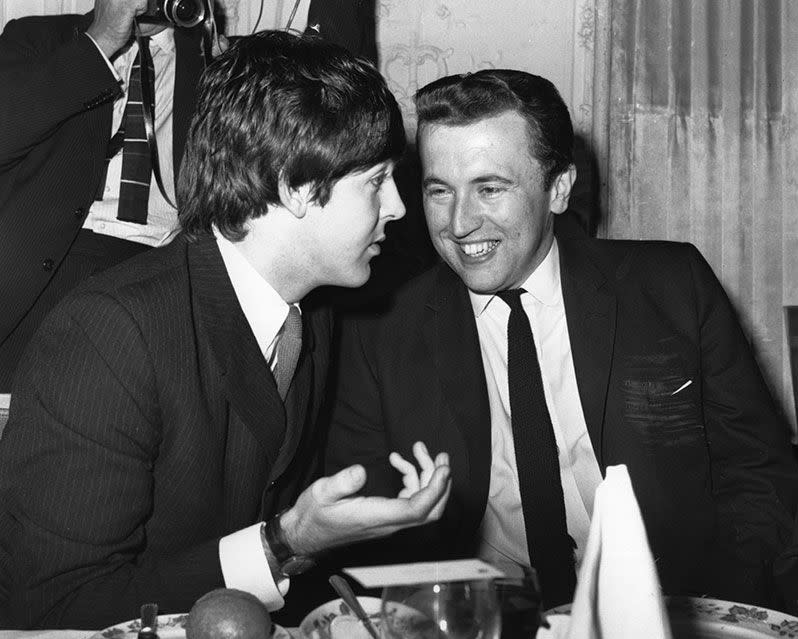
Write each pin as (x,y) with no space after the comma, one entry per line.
(476,249)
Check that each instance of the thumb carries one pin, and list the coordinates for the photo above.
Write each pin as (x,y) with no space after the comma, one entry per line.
(343,484)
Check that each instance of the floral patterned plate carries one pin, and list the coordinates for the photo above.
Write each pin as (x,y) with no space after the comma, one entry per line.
(169,627)
(698,618)
(321,622)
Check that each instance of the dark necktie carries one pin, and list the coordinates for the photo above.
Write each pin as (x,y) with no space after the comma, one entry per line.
(550,547)
(288,349)
(134,188)
(314,24)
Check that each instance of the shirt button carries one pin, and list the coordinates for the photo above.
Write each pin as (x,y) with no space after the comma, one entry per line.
(47,264)
(79,212)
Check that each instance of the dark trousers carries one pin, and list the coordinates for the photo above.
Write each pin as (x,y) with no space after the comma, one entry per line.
(89,254)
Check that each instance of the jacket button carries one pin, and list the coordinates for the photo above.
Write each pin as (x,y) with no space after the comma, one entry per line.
(79,212)
(47,264)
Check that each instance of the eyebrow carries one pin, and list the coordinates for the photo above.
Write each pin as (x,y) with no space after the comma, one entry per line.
(428,181)
(482,179)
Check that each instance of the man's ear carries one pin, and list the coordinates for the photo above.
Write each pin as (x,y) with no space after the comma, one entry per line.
(296,200)
(561,190)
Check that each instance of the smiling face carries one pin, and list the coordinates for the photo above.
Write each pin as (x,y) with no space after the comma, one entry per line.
(487,211)
(348,229)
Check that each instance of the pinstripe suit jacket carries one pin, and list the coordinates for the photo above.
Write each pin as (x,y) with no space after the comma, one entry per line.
(56,114)
(145,425)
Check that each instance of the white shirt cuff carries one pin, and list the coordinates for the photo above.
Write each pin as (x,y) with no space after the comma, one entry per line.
(245,567)
(107,61)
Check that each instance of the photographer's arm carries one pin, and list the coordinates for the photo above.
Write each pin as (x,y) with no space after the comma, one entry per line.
(51,72)
(113,23)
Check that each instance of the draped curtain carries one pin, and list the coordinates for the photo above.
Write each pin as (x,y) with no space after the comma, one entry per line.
(700,144)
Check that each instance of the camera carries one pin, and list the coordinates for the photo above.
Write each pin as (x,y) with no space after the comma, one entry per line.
(181,13)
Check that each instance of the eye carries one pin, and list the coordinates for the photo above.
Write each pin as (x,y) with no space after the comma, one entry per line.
(491,190)
(436,192)
(378,180)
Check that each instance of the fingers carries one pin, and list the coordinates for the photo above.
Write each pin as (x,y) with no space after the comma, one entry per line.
(401,464)
(425,461)
(409,475)
(437,510)
(344,483)
(411,479)
(428,503)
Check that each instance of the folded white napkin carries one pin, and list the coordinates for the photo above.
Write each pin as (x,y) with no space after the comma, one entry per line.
(618,594)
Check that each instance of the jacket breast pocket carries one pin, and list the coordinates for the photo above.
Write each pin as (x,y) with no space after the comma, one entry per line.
(663,403)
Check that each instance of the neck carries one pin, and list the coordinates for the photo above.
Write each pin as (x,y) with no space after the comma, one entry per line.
(271,252)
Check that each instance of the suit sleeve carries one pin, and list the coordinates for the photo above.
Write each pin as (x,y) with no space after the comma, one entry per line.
(45,83)
(357,435)
(753,471)
(77,475)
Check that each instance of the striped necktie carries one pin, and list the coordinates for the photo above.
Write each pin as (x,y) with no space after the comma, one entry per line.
(288,349)
(134,188)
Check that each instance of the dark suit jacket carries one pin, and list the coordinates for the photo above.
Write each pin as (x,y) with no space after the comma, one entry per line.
(348,23)
(145,425)
(711,465)
(56,112)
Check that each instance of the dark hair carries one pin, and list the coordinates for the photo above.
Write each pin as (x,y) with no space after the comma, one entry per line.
(281,106)
(463,99)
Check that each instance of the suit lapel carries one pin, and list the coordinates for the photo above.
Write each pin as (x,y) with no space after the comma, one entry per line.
(590,309)
(301,392)
(248,382)
(452,337)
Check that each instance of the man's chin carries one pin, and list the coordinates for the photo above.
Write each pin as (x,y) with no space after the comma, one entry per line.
(479,283)
(357,278)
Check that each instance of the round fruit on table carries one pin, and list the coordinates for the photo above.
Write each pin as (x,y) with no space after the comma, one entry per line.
(226,613)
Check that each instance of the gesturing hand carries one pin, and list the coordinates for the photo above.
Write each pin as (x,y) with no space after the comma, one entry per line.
(327,514)
(410,478)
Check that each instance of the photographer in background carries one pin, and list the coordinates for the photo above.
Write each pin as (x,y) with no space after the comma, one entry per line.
(66,82)
(77,193)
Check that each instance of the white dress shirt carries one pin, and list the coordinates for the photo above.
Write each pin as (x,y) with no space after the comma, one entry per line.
(162,224)
(503,535)
(244,564)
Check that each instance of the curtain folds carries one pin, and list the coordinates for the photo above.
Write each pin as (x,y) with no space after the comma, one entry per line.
(703,147)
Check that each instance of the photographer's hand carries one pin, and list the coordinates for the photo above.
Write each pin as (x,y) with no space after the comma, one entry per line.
(113,23)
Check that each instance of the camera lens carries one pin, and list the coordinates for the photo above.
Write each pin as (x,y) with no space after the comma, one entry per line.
(184,13)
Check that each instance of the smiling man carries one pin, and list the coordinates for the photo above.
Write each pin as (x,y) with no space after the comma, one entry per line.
(538,361)
(162,424)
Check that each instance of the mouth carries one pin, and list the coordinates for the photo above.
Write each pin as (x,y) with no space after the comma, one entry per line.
(375,247)
(479,249)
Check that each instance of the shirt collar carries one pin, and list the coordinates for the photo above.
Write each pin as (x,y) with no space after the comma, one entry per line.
(543,284)
(263,307)
(165,40)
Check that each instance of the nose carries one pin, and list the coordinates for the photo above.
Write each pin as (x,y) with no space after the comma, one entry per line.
(391,205)
(465,218)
